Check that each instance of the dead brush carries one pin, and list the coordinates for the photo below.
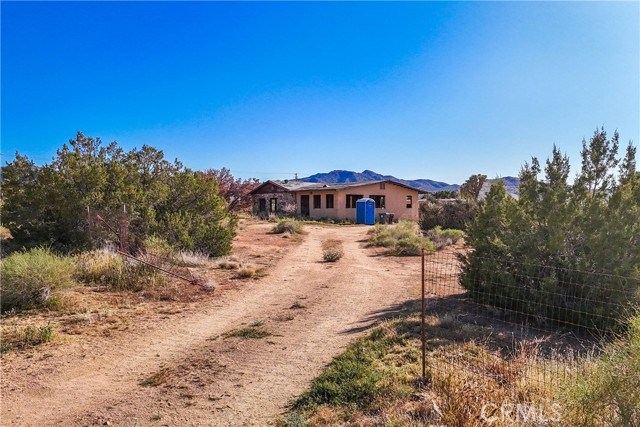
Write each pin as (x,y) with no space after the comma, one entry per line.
(230,263)
(247,271)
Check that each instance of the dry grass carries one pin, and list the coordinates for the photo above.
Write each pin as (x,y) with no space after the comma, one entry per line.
(33,279)
(377,380)
(247,271)
(192,259)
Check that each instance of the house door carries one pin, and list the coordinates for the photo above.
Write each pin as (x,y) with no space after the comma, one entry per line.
(304,205)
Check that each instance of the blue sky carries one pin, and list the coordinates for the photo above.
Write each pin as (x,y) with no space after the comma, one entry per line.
(436,90)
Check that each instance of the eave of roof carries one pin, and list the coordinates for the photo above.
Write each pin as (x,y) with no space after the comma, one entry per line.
(314,186)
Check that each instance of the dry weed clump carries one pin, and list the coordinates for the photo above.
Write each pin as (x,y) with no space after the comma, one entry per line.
(244,270)
(332,250)
(247,271)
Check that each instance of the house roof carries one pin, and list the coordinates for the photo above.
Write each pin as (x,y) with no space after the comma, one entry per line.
(314,186)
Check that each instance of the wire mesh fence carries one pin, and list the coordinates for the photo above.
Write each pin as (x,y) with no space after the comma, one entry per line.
(521,328)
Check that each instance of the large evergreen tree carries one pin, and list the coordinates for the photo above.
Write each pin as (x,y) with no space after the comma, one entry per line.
(570,253)
(47,205)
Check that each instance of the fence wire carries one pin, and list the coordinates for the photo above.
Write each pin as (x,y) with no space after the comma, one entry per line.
(518,327)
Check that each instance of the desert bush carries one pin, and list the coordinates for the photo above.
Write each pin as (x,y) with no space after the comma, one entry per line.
(607,390)
(401,239)
(32,278)
(443,238)
(290,226)
(446,213)
(332,250)
(332,254)
(31,335)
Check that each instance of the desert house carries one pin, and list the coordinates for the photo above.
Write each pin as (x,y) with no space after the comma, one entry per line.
(335,201)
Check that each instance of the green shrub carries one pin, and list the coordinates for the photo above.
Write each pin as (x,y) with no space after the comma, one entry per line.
(32,278)
(607,391)
(290,226)
(33,336)
(402,239)
(160,247)
(443,238)
(46,204)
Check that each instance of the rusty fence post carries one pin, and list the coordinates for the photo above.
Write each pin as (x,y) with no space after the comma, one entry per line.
(422,324)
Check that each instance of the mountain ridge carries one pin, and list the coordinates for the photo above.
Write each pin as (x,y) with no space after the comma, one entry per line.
(340,176)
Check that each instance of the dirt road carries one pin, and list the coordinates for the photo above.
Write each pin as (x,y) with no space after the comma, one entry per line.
(187,370)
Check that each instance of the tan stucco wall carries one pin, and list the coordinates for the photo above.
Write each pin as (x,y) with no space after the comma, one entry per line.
(395,202)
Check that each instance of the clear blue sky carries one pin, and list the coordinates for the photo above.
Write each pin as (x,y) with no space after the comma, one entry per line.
(435,90)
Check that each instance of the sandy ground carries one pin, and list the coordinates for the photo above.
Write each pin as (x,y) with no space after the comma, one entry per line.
(199,375)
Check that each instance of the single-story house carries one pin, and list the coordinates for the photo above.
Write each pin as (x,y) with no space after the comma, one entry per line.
(336,201)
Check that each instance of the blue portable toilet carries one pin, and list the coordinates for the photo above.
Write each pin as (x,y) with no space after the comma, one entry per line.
(365,211)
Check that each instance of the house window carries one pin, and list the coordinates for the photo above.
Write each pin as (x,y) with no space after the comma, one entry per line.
(409,202)
(379,201)
(316,201)
(274,205)
(329,201)
(262,205)
(352,199)
(382,185)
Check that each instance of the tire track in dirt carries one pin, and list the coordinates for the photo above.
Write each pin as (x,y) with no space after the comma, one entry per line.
(259,377)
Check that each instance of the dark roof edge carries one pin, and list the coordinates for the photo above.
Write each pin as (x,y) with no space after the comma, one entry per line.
(265,183)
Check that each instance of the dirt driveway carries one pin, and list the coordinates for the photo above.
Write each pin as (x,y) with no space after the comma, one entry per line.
(187,370)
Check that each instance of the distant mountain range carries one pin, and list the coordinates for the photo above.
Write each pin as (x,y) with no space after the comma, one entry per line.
(341,176)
